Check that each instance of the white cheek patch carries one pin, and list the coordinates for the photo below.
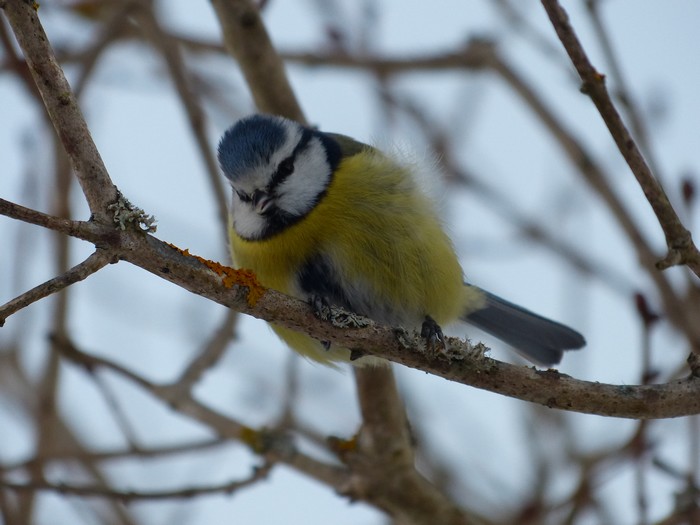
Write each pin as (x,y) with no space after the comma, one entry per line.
(246,221)
(295,196)
(312,173)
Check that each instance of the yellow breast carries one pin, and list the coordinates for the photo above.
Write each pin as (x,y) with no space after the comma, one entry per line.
(384,241)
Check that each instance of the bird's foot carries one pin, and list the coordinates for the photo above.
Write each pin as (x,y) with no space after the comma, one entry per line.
(432,333)
(336,315)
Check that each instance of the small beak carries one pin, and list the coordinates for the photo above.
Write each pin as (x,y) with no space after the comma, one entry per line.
(262,201)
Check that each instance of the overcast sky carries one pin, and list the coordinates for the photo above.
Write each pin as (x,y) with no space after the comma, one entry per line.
(135,318)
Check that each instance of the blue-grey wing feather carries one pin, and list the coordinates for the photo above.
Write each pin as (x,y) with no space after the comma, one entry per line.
(539,338)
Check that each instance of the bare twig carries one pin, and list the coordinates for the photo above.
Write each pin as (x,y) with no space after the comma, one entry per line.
(259,474)
(169,49)
(681,249)
(61,439)
(142,453)
(88,231)
(95,262)
(275,447)
(62,108)
(116,26)
(598,179)
(208,356)
(622,91)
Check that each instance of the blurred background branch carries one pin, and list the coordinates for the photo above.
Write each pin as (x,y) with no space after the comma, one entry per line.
(157,89)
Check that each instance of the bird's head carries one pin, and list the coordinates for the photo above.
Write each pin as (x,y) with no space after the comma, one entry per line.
(278,169)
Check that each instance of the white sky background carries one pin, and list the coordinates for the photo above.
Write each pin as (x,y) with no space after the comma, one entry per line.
(135,318)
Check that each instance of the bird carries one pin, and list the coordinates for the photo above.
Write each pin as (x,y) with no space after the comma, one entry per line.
(333,221)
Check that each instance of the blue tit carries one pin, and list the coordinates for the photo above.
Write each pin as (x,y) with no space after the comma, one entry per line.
(320,215)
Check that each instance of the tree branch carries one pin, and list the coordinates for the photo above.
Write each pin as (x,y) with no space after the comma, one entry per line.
(623,94)
(598,180)
(169,48)
(383,456)
(92,264)
(259,473)
(62,107)
(141,453)
(246,39)
(234,289)
(681,249)
(87,231)
(274,446)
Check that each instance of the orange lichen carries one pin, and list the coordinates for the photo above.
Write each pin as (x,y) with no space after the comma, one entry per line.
(245,278)
(342,446)
(251,438)
(230,276)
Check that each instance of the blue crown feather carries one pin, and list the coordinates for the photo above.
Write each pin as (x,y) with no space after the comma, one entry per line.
(249,143)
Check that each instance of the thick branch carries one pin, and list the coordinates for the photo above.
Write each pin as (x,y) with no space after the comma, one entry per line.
(551,389)
(384,458)
(246,39)
(462,364)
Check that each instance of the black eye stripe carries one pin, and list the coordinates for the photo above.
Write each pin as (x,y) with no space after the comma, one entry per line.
(284,170)
(286,167)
